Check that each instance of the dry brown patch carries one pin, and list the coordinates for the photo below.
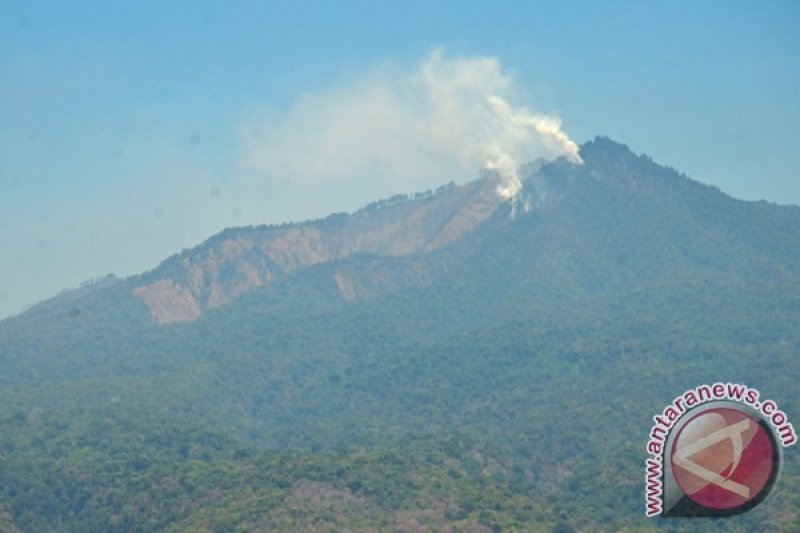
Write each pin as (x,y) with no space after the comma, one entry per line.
(169,302)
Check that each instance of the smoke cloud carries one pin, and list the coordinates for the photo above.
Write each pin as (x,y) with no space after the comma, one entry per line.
(406,129)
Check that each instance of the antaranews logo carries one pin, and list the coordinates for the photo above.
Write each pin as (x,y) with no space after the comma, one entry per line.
(716,450)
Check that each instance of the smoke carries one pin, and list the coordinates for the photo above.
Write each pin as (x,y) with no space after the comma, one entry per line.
(398,130)
(516,132)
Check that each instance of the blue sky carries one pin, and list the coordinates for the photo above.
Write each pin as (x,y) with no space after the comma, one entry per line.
(131,130)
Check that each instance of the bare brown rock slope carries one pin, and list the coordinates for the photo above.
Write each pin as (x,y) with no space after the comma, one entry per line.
(238,261)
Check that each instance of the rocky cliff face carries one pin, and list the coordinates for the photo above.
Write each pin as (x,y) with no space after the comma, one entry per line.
(238,261)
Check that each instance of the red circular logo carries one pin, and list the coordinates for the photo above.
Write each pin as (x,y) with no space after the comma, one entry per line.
(723,459)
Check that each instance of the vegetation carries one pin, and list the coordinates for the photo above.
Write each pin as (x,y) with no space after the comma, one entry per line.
(513,392)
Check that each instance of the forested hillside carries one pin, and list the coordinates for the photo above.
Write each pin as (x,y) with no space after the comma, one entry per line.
(477,366)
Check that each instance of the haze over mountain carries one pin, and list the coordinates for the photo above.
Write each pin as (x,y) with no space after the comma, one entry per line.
(240,260)
(449,359)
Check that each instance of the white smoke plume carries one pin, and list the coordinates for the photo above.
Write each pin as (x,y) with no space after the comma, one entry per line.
(521,129)
(400,130)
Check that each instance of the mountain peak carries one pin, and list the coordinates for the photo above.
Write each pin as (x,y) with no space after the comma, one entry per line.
(613,162)
(601,150)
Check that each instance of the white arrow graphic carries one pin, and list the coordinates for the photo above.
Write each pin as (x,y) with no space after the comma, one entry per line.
(732,432)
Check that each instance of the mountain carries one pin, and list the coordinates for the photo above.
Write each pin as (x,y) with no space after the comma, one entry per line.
(440,361)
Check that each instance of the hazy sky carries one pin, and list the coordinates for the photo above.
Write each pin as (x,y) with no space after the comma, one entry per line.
(131,130)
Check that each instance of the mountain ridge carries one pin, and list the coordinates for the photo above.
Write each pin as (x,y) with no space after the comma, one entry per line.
(212,275)
(400,226)
(239,260)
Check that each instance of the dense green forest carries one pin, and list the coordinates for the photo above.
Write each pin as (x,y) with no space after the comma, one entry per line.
(512,391)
